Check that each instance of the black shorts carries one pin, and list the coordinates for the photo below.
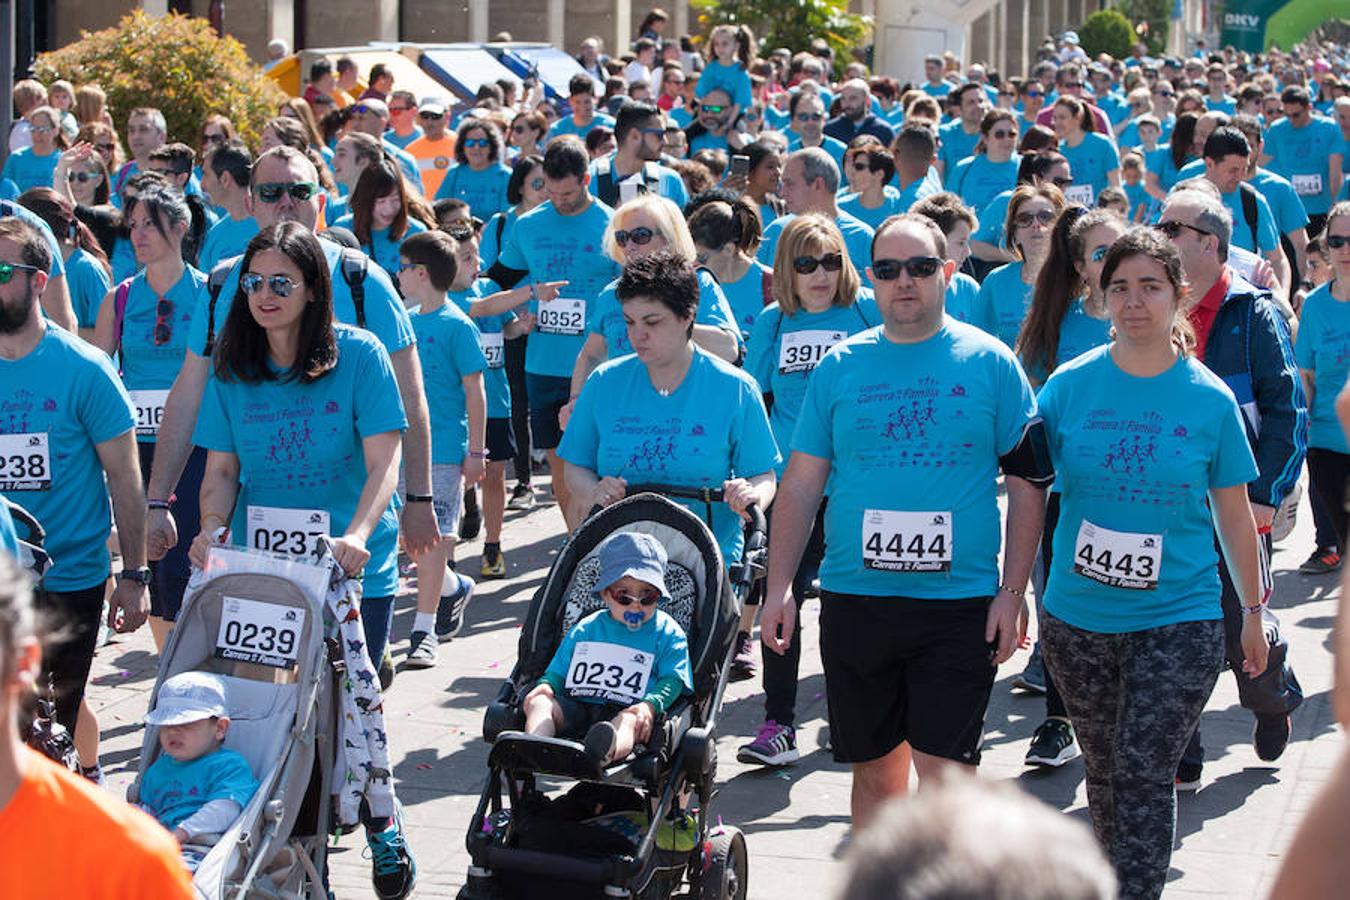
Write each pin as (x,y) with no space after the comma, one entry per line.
(579,716)
(899,669)
(548,395)
(501,443)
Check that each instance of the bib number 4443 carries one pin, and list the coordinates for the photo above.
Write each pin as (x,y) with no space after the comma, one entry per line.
(1122,559)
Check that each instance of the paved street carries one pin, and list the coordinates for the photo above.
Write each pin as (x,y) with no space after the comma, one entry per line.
(1230,835)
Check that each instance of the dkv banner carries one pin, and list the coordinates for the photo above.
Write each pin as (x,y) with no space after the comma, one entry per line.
(1245,21)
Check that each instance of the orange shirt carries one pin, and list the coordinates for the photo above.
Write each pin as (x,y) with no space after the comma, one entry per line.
(63,837)
(434,158)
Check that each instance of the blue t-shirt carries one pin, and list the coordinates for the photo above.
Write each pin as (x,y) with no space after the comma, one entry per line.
(1138,198)
(965,303)
(978,180)
(89,283)
(28,170)
(299,445)
(669,184)
(1078,333)
(892,204)
(385,316)
(1008,299)
(1226,104)
(606,315)
(393,137)
(1160,163)
(956,144)
(913,433)
(833,146)
(448,347)
(733,79)
(1090,161)
(490,340)
(123,260)
(1284,201)
(1301,155)
(939,90)
(992,219)
(857,241)
(489,245)
(711,428)
(1323,348)
(709,141)
(553,247)
(66,398)
(1266,238)
(148,366)
(407,163)
(173,791)
(226,238)
(383,248)
(660,637)
(785,350)
(565,125)
(484,190)
(1135,460)
(747,296)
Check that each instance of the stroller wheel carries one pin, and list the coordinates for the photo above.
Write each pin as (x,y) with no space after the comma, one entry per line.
(728,868)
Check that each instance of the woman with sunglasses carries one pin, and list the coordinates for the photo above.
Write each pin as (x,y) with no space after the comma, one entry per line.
(31,167)
(529,130)
(1151,460)
(88,274)
(216,131)
(103,138)
(380,214)
(82,176)
(992,169)
(1041,162)
(1006,292)
(726,234)
(819,304)
(524,191)
(1093,158)
(144,322)
(480,177)
(870,168)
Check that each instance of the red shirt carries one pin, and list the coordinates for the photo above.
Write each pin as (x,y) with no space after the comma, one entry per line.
(1202,314)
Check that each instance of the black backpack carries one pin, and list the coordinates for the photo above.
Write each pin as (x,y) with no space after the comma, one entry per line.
(607,189)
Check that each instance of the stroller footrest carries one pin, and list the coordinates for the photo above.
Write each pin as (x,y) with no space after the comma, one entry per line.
(515,751)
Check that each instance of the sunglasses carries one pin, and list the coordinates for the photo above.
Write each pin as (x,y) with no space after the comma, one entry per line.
(216,138)
(1026,219)
(1099,253)
(404,265)
(163,321)
(42,129)
(7,271)
(1172,229)
(279,285)
(430,116)
(83,177)
(1002,135)
(272,191)
(1035,95)
(362,110)
(394,109)
(712,108)
(809,117)
(1072,85)
(1337,241)
(1165,93)
(916,266)
(626,600)
(1061,182)
(751,116)
(805,265)
(477,142)
(105,148)
(460,232)
(639,236)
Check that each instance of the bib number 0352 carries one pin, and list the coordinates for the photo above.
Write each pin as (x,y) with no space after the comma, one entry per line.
(562,316)
(608,671)
(281,530)
(1122,559)
(257,632)
(895,541)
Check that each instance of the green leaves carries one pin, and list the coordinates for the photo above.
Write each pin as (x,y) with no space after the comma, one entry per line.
(1106,31)
(791,24)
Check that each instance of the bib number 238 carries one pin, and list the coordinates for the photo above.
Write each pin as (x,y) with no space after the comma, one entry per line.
(281,530)
(895,541)
(1122,559)
(25,462)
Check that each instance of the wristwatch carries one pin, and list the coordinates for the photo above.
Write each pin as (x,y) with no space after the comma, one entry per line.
(141,575)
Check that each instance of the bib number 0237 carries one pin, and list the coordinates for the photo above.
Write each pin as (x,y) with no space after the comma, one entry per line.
(281,530)
(895,541)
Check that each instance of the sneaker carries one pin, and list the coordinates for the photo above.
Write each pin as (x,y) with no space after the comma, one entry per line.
(1032,678)
(743,665)
(1188,777)
(774,745)
(522,497)
(471,521)
(421,651)
(1324,560)
(393,869)
(386,671)
(1270,736)
(496,568)
(599,743)
(1286,515)
(450,611)
(94,773)
(1053,744)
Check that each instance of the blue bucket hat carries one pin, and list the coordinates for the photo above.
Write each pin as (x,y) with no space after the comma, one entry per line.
(636,554)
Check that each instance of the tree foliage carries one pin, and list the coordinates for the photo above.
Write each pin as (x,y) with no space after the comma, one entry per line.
(1106,31)
(1152,20)
(791,23)
(174,63)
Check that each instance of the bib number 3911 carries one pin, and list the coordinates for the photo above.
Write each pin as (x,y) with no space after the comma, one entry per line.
(257,632)
(802,351)
(607,671)
(281,530)
(25,462)
(894,541)
(562,316)
(1122,559)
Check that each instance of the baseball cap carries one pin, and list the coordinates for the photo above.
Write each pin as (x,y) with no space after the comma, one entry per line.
(1069,37)
(188,697)
(636,554)
(434,105)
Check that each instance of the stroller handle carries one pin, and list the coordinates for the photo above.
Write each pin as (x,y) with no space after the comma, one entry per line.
(756,529)
(36,533)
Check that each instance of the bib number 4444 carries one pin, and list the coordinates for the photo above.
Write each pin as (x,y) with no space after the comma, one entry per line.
(895,541)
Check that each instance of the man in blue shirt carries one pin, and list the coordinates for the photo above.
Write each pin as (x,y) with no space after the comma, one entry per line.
(807,112)
(910,424)
(959,137)
(225,176)
(1291,220)
(1225,155)
(1218,99)
(934,84)
(915,153)
(1306,149)
(855,115)
(581,96)
(371,116)
(810,184)
(633,167)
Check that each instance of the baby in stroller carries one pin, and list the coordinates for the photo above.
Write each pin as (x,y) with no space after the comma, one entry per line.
(620,667)
(196,787)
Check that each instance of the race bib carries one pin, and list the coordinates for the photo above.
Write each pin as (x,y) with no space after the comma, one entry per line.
(894,541)
(1307,185)
(493,350)
(1123,559)
(609,672)
(282,530)
(256,632)
(25,462)
(802,351)
(149,411)
(1079,195)
(562,316)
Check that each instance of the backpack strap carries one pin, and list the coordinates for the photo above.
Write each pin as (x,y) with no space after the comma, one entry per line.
(354,273)
(120,296)
(766,287)
(605,188)
(1249,211)
(215,283)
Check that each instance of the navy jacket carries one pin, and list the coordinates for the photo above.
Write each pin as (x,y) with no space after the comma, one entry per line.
(1250,349)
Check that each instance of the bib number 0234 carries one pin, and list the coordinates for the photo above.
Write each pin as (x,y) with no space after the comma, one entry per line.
(608,671)
(894,541)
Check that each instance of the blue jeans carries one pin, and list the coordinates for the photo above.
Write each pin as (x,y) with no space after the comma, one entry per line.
(377,613)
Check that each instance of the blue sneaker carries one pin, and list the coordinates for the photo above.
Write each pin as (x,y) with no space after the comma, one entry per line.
(450,611)
(393,869)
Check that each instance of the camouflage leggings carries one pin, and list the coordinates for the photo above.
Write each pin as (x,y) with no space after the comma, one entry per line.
(1134,699)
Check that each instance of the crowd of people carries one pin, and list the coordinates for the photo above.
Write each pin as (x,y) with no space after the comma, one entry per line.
(1107,292)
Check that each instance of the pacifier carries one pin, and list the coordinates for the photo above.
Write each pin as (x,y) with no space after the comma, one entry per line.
(633,619)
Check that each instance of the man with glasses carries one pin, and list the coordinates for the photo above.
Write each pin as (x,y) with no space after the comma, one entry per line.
(671,95)
(807,111)
(581,97)
(1307,149)
(371,116)
(633,167)
(712,123)
(810,184)
(403,128)
(1032,96)
(435,149)
(910,424)
(1291,219)
(959,137)
(1242,337)
(855,115)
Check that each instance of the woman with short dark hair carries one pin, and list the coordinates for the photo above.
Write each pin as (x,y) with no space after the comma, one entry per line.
(480,176)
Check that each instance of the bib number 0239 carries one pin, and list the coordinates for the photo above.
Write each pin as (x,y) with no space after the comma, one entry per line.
(1121,559)
(894,541)
(256,632)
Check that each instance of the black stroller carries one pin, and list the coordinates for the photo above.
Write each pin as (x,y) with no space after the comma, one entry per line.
(643,829)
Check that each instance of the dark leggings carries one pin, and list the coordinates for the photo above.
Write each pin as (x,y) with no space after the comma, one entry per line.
(1327,472)
(377,613)
(169,576)
(71,620)
(1134,699)
(514,357)
(1054,703)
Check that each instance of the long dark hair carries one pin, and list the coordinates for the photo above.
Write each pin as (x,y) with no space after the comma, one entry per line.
(1057,286)
(1141,241)
(59,214)
(242,353)
(378,180)
(1183,135)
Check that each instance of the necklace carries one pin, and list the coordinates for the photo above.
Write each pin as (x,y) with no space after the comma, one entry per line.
(664,392)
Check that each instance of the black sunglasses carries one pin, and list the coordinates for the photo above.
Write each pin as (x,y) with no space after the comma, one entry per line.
(1026,219)
(805,265)
(916,266)
(430,116)
(1172,229)
(639,236)
(712,108)
(7,271)
(1337,241)
(280,285)
(83,177)
(271,191)
(163,322)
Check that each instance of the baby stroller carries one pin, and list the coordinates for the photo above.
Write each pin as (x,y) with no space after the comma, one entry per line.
(262,621)
(644,828)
